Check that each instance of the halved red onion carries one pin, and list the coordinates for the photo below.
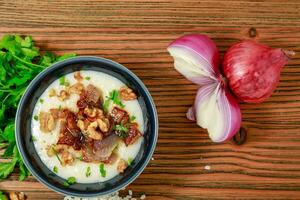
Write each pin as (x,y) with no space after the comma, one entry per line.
(217,111)
(196,57)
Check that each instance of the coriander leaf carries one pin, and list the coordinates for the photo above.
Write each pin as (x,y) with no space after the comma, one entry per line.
(27,42)
(9,132)
(87,78)
(65,56)
(3,196)
(102,170)
(6,168)
(9,150)
(2,111)
(88,171)
(121,128)
(23,171)
(19,81)
(20,62)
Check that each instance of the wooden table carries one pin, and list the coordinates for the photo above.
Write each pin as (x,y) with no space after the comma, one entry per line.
(136,34)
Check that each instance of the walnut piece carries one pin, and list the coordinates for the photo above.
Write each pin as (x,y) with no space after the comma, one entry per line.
(81,125)
(76,88)
(52,92)
(103,124)
(66,158)
(122,165)
(78,76)
(47,122)
(93,133)
(127,94)
(63,95)
(17,196)
(61,150)
(91,112)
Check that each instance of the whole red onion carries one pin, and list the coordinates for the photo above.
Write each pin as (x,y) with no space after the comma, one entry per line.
(253,70)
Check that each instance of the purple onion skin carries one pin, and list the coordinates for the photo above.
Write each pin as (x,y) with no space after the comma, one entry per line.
(253,70)
(236,116)
(202,45)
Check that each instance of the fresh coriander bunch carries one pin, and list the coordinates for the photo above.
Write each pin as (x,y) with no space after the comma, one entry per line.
(20,62)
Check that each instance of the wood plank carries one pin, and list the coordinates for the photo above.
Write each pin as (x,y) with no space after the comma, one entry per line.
(136,34)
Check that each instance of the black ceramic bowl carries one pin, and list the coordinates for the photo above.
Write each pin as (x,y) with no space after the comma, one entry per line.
(24,117)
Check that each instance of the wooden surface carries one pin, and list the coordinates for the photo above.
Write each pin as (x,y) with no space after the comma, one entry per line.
(136,33)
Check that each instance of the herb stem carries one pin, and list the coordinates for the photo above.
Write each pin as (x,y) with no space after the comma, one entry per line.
(28,63)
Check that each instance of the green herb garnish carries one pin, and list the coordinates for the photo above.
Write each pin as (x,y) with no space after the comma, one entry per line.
(33,139)
(113,97)
(120,128)
(55,169)
(102,170)
(56,154)
(87,78)
(79,157)
(3,196)
(106,105)
(132,118)
(70,181)
(88,171)
(63,81)
(59,107)
(41,100)
(20,62)
(129,161)
(36,118)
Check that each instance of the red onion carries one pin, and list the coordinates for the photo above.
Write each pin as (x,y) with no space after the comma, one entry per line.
(253,70)
(196,57)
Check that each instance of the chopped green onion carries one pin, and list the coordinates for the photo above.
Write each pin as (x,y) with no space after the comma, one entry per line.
(33,139)
(87,78)
(79,157)
(63,81)
(106,105)
(102,170)
(56,154)
(121,128)
(88,171)
(132,118)
(36,118)
(41,100)
(129,161)
(55,169)
(70,181)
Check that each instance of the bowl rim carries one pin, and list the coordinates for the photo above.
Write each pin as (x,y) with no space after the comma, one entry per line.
(56,66)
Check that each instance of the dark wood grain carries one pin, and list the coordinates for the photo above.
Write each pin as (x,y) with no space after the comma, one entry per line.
(136,34)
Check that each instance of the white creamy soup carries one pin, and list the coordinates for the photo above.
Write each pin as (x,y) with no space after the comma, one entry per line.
(87,126)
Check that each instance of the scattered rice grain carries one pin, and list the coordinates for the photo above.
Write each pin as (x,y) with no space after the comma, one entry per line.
(207,167)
